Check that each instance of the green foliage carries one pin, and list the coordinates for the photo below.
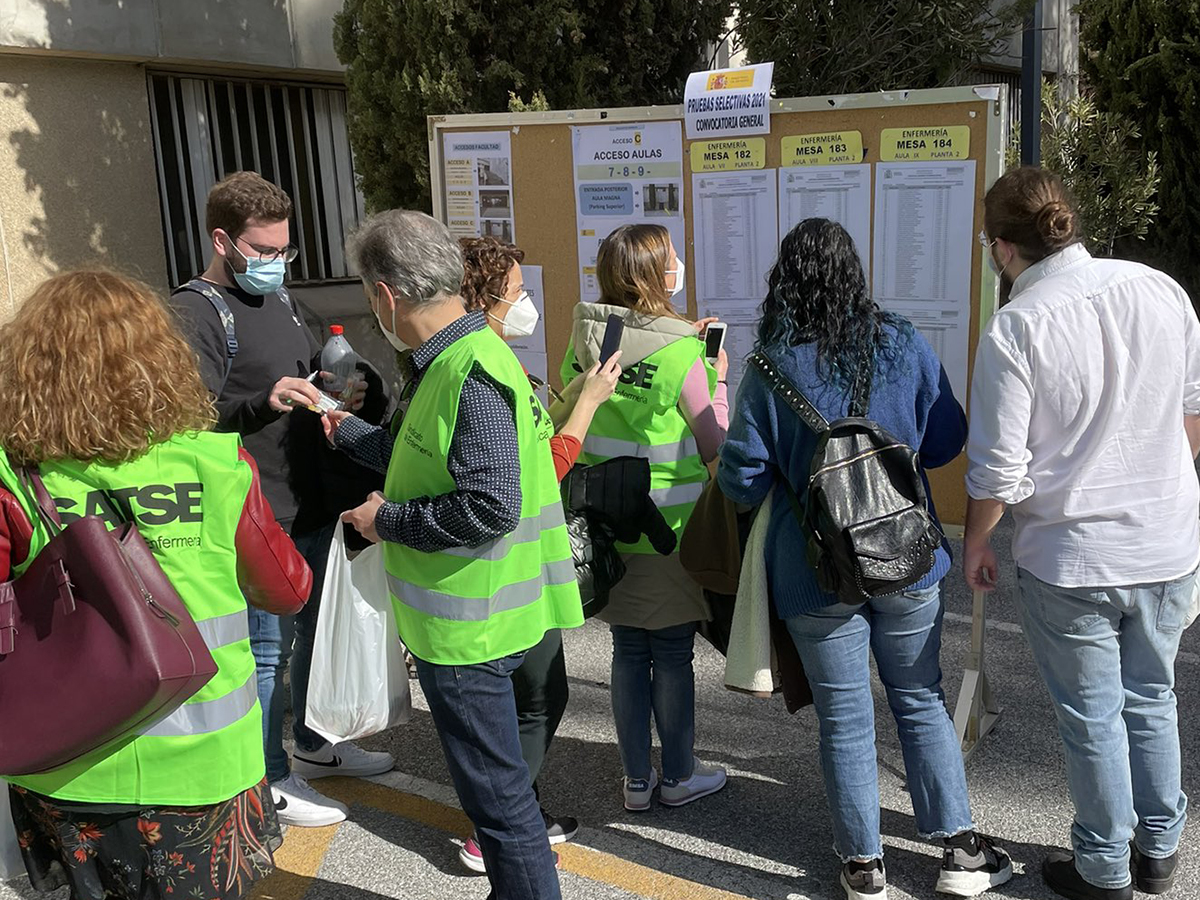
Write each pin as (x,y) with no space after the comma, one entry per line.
(1142,59)
(409,59)
(537,103)
(1101,158)
(855,46)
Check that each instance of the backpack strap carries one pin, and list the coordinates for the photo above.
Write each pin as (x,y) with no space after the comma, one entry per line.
(788,392)
(860,392)
(225,314)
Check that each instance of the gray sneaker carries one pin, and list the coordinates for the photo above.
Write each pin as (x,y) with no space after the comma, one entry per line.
(864,881)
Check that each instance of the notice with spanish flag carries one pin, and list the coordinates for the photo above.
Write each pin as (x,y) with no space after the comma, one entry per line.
(729,102)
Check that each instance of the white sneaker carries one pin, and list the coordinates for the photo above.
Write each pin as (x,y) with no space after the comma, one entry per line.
(638,792)
(705,780)
(346,758)
(296,803)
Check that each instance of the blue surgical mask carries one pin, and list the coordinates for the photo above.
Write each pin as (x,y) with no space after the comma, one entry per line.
(260,277)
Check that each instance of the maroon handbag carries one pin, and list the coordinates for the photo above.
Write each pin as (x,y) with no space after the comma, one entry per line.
(95,644)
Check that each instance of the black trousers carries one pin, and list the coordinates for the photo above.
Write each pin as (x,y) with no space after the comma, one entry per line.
(540,687)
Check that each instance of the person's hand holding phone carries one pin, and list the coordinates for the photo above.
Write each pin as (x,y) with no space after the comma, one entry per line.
(600,381)
(722,365)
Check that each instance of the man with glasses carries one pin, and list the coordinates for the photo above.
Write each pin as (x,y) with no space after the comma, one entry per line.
(255,355)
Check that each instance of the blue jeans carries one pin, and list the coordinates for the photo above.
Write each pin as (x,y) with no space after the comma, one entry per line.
(904,632)
(475,713)
(271,641)
(652,670)
(1107,656)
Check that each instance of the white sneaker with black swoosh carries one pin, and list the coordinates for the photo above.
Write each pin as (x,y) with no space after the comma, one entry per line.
(346,759)
(296,803)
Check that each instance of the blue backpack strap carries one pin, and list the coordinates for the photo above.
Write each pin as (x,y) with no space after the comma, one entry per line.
(225,314)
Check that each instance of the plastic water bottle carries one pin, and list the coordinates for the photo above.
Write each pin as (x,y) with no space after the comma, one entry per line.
(340,361)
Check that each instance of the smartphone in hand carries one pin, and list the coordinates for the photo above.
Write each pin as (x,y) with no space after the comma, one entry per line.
(714,339)
(612,338)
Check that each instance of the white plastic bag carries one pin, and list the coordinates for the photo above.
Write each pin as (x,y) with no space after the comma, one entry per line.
(11,865)
(358,684)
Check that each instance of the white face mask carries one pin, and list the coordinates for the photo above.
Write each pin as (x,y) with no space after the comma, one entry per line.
(678,273)
(389,334)
(522,318)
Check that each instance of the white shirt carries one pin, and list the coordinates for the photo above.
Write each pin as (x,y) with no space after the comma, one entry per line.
(1080,387)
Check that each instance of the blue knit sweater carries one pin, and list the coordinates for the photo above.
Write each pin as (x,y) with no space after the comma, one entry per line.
(910,397)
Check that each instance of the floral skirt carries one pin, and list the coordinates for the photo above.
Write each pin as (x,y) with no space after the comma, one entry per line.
(211,852)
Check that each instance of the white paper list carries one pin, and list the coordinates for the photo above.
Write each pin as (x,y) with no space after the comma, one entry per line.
(841,194)
(924,242)
(735,229)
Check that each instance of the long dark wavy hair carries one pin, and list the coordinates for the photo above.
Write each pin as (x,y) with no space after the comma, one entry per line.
(817,293)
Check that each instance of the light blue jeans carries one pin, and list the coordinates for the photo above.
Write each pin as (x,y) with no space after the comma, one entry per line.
(1108,658)
(653,670)
(276,640)
(905,634)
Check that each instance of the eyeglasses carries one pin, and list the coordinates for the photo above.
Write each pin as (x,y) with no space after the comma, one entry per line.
(984,242)
(270,254)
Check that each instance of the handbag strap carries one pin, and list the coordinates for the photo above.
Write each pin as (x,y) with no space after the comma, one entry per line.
(31,483)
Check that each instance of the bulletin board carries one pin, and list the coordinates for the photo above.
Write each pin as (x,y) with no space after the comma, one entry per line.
(543,194)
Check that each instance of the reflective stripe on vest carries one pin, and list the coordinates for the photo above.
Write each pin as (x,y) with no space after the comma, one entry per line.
(479,609)
(209,716)
(222,631)
(677,495)
(527,530)
(662,453)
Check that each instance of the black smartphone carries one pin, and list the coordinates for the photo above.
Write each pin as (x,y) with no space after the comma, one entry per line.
(612,337)
(714,339)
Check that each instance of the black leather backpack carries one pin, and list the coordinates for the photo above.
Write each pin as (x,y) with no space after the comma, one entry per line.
(865,514)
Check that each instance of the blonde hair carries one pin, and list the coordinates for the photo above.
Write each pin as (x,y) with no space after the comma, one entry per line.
(632,270)
(93,368)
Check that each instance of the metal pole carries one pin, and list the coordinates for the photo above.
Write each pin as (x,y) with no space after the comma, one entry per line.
(1031,88)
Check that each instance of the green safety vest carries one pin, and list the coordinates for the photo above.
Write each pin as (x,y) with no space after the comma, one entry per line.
(468,605)
(187,494)
(642,419)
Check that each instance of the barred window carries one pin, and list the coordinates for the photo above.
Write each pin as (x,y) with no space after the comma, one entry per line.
(294,135)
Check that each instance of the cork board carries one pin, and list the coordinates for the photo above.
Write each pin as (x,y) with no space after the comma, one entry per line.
(544,202)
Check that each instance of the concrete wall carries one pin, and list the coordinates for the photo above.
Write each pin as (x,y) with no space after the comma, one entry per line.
(1060,41)
(77,176)
(283,34)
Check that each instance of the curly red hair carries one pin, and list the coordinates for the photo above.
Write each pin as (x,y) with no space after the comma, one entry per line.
(93,368)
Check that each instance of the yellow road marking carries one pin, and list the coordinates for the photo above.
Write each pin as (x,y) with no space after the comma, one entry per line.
(591,864)
(296,863)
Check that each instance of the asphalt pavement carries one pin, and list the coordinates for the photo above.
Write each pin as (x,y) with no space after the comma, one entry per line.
(766,836)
